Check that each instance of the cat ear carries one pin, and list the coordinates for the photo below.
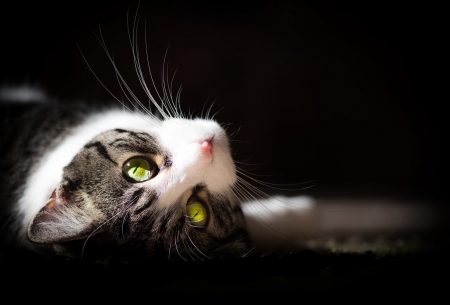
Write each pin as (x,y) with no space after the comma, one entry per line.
(63,219)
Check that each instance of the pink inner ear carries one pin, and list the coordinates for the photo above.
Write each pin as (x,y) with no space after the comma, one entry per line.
(46,213)
(51,200)
(61,220)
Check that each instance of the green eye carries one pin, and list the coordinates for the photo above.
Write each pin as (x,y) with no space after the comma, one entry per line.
(138,169)
(197,214)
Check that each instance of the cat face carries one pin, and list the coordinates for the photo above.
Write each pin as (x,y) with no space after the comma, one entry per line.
(164,191)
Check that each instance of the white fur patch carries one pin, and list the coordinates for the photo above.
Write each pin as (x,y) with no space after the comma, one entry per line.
(281,216)
(22,94)
(288,223)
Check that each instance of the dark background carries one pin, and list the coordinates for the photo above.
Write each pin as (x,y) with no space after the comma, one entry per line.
(342,94)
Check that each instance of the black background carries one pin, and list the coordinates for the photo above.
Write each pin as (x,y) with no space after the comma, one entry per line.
(342,94)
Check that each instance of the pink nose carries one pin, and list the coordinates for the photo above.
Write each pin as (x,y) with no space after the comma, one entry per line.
(205,146)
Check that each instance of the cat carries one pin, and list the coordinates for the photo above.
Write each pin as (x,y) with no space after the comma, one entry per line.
(118,181)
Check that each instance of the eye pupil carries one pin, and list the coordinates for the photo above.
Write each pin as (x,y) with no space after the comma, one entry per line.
(138,170)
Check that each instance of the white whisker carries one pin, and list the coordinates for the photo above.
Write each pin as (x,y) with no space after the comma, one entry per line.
(132,201)
(197,248)
(186,246)
(272,185)
(253,200)
(176,244)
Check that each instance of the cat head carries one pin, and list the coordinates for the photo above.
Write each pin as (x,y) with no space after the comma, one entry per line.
(164,191)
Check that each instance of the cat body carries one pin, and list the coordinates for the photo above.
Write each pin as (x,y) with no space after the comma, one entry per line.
(65,189)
